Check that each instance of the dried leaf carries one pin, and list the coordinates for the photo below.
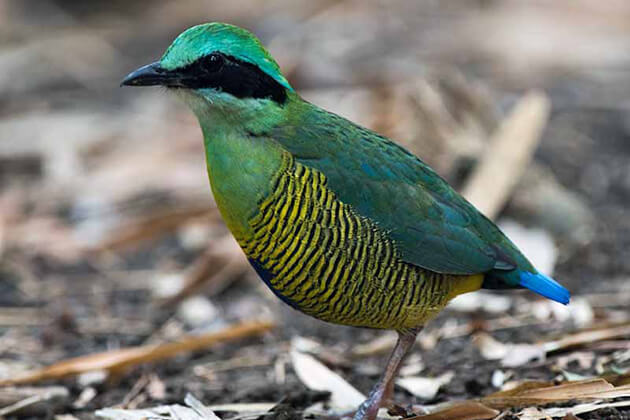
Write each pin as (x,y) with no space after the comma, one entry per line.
(520,354)
(511,355)
(539,393)
(201,409)
(244,407)
(85,397)
(615,392)
(568,391)
(65,417)
(197,311)
(587,337)
(567,413)
(382,344)
(531,394)
(118,361)
(173,412)
(482,301)
(426,388)
(318,377)
(195,411)
(586,408)
(467,410)
(489,347)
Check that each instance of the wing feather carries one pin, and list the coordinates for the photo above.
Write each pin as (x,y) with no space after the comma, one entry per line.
(432,225)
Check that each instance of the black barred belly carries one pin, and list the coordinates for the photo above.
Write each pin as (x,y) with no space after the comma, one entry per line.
(321,257)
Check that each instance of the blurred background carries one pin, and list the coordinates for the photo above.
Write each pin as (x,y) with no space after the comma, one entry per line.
(109,237)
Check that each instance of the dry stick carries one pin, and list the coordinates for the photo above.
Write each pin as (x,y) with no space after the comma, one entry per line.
(508,154)
(32,401)
(154,225)
(27,402)
(215,268)
(118,361)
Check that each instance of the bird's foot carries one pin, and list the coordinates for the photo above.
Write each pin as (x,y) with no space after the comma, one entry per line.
(369,408)
(382,394)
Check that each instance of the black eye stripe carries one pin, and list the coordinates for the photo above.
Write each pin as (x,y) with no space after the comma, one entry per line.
(231,75)
(211,63)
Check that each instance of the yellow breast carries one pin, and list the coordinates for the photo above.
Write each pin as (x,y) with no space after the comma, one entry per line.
(326,260)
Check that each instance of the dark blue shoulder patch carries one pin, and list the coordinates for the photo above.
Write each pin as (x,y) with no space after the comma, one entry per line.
(267,276)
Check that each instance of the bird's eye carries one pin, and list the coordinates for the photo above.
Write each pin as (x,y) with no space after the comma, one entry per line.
(212,63)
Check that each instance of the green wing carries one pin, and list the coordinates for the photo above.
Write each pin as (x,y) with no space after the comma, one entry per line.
(432,225)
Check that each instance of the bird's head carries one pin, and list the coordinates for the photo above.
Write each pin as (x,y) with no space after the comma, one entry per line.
(217,65)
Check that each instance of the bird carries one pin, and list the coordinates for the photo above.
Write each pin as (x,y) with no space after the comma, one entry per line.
(340,222)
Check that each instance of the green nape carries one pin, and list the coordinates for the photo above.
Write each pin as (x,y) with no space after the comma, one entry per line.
(231,40)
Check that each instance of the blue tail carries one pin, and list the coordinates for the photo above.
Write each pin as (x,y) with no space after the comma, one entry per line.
(544,286)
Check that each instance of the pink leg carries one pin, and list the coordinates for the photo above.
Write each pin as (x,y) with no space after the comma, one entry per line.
(383,391)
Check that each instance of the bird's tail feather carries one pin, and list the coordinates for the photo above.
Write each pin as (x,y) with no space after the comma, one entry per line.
(545,286)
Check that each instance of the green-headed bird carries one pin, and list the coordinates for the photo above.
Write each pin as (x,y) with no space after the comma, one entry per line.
(340,222)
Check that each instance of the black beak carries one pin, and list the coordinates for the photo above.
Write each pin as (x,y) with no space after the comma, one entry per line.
(151,75)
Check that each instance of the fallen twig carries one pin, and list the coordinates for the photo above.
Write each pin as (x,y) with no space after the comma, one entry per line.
(509,151)
(156,224)
(218,267)
(31,400)
(118,361)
